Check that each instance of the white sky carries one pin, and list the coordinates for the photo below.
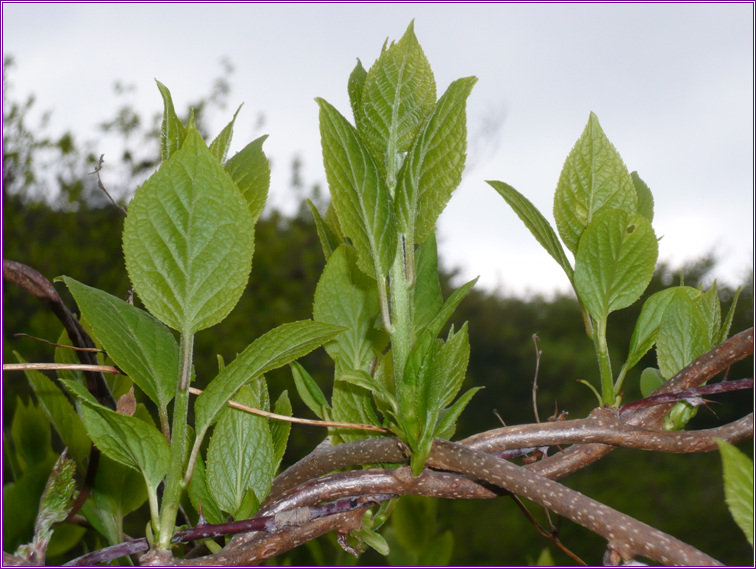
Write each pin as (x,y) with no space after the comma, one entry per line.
(672,86)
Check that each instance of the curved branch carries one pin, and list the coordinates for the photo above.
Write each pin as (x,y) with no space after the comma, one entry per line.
(626,536)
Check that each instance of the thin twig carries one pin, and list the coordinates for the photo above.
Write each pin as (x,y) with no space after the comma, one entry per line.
(195,391)
(102,186)
(65,346)
(535,377)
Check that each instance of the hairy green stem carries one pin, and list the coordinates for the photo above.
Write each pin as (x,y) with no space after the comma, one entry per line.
(401,312)
(174,479)
(605,364)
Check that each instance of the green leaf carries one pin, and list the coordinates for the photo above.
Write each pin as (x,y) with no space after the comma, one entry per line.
(354,88)
(645,198)
(200,495)
(138,344)
(398,93)
(359,192)
(250,170)
(240,455)
(433,167)
(738,483)
(172,132)
(219,146)
(647,325)
(30,433)
(439,551)
(724,332)
(352,404)
(125,439)
(346,297)
(61,414)
(448,417)
(309,391)
(651,379)
(708,305)
(188,240)
(614,262)
(427,297)
(274,349)
(450,366)
(683,334)
(280,430)
(593,180)
(536,223)
(329,239)
(448,308)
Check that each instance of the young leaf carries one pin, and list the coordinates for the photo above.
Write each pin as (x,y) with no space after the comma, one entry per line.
(645,198)
(219,146)
(708,305)
(354,88)
(329,239)
(200,495)
(398,93)
(450,366)
(433,167)
(428,298)
(614,262)
(274,349)
(280,430)
(172,132)
(651,379)
(593,180)
(738,482)
(536,223)
(62,415)
(724,332)
(309,391)
(125,439)
(55,504)
(188,240)
(346,297)
(138,344)
(683,334)
(359,192)
(250,170)
(352,404)
(240,455)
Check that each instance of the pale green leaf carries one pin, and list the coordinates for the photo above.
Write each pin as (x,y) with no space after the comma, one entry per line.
(448,417)
(651,379)
(219,146)
(738,483)
(354,88)
(683,334)
(57,500)
(614,262)
(240,455)
(250,170)
(645,198)
(433,167)
(274,349)
(647,325)
(593,180)
(724,332)
(358,191)
(352,404)
(172,132)
(138,344)
(450,366)
(347,297)
(708,305)
(536,223)
(398,93)
(125,439)
(188,240)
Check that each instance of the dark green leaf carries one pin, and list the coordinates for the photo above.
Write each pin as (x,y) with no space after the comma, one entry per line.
(309,391)
(138,344)
(200,495)
(279,430)
(536,223)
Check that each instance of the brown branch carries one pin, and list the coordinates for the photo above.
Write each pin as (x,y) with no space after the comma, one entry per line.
(626,536)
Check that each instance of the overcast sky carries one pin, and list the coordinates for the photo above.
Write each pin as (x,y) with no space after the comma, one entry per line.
(672,86)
